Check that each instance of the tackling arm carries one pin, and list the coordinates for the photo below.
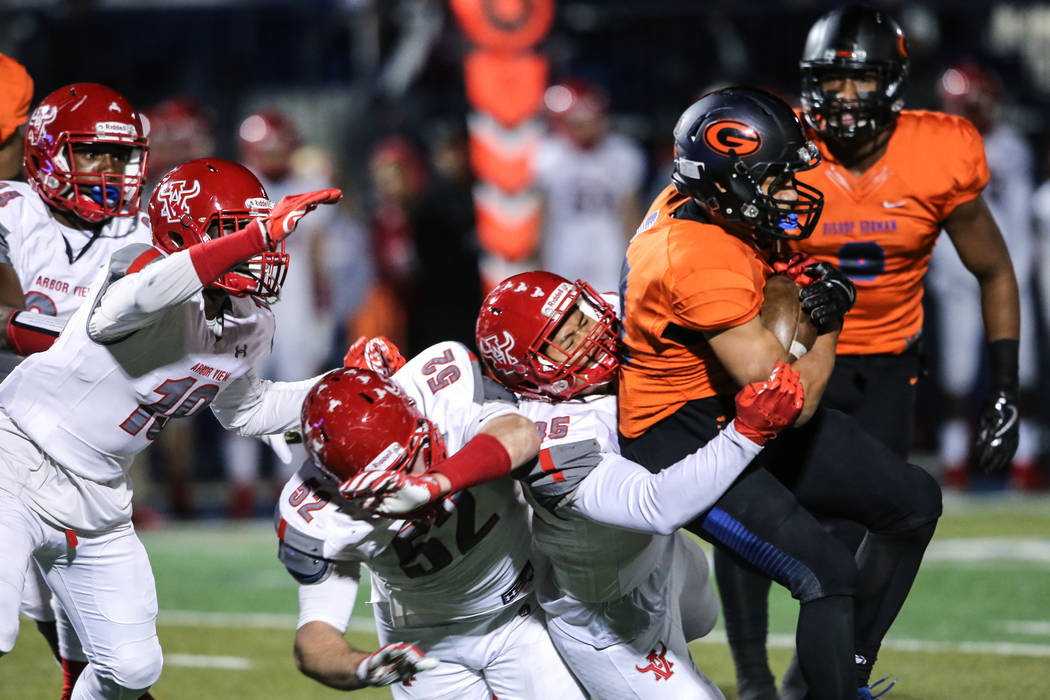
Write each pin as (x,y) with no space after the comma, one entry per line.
(749,351)
(252,406)
(321,651)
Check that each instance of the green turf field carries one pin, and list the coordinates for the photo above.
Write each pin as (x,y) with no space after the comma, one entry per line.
(977,624)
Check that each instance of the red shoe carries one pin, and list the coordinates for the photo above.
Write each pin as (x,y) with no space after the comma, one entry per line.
(145,518)
(1026,476)
(955,476)
(242,502)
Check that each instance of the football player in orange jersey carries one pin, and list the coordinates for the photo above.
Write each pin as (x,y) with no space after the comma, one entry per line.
(891,181)
(691,289)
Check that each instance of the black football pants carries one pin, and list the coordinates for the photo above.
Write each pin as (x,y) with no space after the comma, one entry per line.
(829,467)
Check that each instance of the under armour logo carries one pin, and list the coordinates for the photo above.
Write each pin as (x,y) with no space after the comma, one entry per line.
(173,195)
(240,350)
(658,664)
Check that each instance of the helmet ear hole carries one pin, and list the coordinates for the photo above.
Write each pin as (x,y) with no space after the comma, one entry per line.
(176,239)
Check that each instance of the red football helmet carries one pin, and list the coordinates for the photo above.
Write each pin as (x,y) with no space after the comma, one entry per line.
(210,197)
(355,420)
(515,333)
(577,109)
(266,141)
(80,115)
(181,128)
(971,91)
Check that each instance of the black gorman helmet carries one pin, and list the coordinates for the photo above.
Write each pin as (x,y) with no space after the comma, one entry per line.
(854,41)
(730,143)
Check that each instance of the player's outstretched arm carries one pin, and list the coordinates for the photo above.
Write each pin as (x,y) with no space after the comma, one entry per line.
(322,653)
(623,494)
(504,443)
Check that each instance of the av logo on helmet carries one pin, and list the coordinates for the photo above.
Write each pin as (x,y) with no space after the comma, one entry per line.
(728,136)
(497,348)
(42,116)
(173,196)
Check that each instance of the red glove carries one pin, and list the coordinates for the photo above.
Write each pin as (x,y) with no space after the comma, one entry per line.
(763,409)
(377,354)
(284,217)
(794,267)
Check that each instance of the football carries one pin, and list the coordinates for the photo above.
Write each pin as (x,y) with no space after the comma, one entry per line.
(782,314)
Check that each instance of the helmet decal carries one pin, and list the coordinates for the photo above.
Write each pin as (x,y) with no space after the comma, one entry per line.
(173,195)
(728,136)
(42,116)
(498,347)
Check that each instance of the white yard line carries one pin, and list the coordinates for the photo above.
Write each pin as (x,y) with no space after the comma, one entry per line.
(224,663)
(787,641)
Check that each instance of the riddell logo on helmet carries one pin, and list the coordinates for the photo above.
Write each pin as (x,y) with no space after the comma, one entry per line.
(173,196)
(555,303)
(729,136)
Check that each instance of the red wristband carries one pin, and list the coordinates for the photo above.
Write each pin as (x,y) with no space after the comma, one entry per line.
(29,332)
(214,258)
(482,459)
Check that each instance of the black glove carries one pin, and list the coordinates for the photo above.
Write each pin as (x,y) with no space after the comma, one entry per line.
(999,423)
(998,428)
(829,296)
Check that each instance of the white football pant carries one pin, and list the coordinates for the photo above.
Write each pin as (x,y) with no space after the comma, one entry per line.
(508,655)
(653,663)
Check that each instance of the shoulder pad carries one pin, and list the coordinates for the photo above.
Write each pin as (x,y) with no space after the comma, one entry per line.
(303,567)
(494,391)
(301,554)
(558,471)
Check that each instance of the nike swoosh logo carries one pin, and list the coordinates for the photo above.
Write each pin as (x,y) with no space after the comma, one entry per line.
(1011,418)
(894,205)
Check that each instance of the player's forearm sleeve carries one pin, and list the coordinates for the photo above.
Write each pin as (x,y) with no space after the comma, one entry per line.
(331,601)
(624,494)
(252,406)
(128,302)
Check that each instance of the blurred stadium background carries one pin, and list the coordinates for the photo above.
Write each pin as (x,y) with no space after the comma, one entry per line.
(352,74)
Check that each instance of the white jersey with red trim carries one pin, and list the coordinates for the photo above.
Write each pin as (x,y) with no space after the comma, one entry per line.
(93,403)
(471,560)
(600,518)
(55,263)
(591,561)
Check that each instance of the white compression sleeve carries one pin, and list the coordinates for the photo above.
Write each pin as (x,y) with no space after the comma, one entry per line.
(331,601)
(253,406)
(624,494)
(129,303)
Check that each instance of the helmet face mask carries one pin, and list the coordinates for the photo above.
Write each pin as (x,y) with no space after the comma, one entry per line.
(353,421)
(69,134)
(210,197)
(737,151)
(862,45)
(547,338)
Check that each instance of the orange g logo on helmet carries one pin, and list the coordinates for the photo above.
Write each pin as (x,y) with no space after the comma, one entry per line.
(726,136)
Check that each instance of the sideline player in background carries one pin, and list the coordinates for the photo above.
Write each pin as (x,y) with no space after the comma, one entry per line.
(590,177)
(267,143)
(974,92)
(159,337)
(891,180)
(692,289)
(86,152)
(454,582)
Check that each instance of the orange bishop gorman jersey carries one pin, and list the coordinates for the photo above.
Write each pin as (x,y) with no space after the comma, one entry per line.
(680,278)
(880,228)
